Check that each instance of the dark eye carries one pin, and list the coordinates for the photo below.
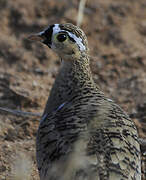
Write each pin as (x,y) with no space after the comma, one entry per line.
(62,37)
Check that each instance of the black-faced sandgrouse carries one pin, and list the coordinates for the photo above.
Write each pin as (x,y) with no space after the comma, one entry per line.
(82,135)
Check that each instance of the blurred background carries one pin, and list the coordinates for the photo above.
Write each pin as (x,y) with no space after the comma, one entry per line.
(116,32)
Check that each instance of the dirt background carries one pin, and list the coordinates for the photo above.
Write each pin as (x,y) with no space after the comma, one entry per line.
(116,31)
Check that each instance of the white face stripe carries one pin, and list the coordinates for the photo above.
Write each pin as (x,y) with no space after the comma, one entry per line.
(56,29)
(78,40)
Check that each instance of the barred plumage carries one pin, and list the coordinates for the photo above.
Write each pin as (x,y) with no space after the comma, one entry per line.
(83,135)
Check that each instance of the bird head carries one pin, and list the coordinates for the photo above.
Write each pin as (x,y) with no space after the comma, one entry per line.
(67,40)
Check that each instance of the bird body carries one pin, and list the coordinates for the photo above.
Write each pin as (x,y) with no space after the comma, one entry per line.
(82,135)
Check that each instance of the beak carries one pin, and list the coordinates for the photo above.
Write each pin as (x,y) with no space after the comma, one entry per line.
(43,36)
(37,37)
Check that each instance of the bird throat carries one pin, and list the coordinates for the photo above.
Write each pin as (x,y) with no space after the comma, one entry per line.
(72,79)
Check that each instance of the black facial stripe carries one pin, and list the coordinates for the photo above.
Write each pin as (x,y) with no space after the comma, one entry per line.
(63,32)
(48,35)
(71,39)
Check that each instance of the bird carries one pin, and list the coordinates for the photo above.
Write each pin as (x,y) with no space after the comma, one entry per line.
(82,135)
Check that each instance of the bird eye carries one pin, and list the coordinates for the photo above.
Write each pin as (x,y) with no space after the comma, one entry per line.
(61,37)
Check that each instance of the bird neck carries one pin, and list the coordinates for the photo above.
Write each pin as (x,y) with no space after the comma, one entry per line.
(77,72)
(73,78)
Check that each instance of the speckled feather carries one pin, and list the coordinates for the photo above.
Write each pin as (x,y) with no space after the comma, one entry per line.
(83,135)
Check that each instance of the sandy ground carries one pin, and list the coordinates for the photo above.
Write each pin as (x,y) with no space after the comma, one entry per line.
(116,31)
